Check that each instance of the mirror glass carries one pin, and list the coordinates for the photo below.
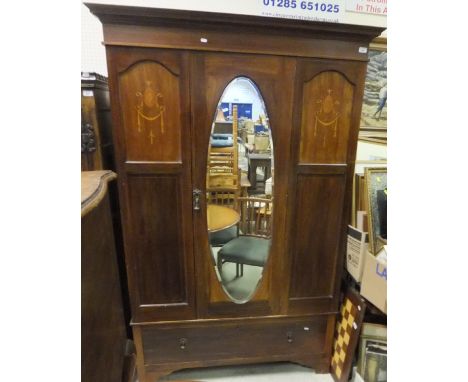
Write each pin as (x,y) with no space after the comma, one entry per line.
(239,186)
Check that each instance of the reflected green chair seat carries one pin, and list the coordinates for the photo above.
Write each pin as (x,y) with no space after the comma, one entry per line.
(250,250)
(217,239)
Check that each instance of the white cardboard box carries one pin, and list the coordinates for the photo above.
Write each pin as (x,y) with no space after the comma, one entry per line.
(355,252)
(374,281)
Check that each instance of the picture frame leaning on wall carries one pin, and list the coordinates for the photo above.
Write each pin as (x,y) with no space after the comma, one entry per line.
(373,126)
(375,180)
(372,360)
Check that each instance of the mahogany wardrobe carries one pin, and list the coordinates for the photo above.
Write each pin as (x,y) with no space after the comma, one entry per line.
(167,72)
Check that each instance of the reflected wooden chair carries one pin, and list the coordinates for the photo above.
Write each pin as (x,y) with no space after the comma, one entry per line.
(223,181)
(222,168)
(223,162)
(252,244)
(225,196)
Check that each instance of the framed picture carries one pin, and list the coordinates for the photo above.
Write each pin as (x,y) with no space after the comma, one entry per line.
(372,363)
(374,105)
(375,180)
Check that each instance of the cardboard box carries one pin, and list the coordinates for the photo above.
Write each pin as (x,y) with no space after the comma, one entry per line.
(374,281)
(355,252)
(362,221)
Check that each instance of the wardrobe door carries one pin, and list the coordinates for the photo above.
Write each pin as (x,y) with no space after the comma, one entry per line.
(211,73)
(327,114)
(150,106)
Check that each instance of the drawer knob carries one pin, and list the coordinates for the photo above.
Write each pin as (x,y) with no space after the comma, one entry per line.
(183,343)
(290,337)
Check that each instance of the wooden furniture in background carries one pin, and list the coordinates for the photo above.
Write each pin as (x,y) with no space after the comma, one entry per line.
(96,121)
(161,72)
(255,216)
(222,196)
(252,244)
(97,151)
(245,184)
(258,160)
(223,162)
(103,329)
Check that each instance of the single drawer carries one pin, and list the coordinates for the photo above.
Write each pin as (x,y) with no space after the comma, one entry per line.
(205,341)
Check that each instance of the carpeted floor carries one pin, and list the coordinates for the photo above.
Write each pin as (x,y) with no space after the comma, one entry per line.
(276,372)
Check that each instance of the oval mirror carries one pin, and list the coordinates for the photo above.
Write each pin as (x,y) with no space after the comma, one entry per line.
(239,183)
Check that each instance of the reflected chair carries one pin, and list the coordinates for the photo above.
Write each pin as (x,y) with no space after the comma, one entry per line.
(253,242)
(223,162)
(223,180)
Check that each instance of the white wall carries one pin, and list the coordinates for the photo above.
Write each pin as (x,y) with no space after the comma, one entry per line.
(370,155)
(93,53)
(371,151)
(243,92)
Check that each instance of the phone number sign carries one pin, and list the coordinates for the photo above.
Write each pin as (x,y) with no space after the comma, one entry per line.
(331,11)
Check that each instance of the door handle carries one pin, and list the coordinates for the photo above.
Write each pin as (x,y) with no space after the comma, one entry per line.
(196,199)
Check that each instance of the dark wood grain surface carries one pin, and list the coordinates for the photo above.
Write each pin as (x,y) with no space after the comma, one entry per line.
(316,238)
(157,243)
(187,343)
(155,185)
(95,110)
(169,28)
(103,332)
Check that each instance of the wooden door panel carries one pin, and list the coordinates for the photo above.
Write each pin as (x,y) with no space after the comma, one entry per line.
(327,111)
(157,239)
(319,202)
(274,77)
(151,108)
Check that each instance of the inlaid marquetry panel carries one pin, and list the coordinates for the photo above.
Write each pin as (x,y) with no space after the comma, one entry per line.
(156,246)
(326,118)
(318,210)
(151,115)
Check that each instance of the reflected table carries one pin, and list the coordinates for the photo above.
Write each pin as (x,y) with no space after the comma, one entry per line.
(258,160)
(221,217)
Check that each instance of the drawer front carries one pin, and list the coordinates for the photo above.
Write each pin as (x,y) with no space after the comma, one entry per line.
(214,341)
